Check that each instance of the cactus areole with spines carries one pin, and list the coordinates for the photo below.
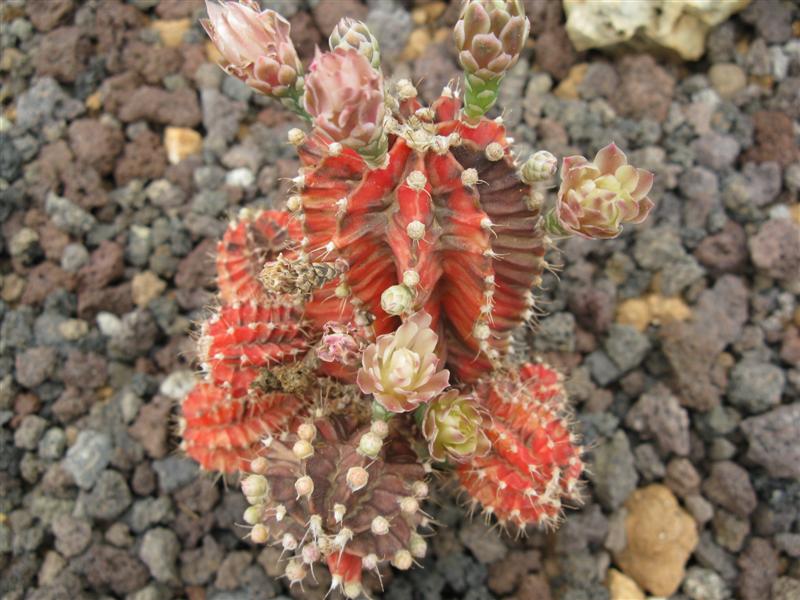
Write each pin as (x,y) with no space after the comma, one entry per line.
(364,335)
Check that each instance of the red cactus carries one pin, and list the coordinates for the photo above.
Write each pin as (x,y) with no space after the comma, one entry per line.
(448,218)
(224,433)
(535,462)
(241,339)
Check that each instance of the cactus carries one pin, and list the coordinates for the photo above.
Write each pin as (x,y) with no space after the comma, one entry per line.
(364,336)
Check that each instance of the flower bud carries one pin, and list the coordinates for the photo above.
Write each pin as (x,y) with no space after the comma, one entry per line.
(303,449)
(256,46)
(396,300)
(370,444)
(539,167)
(304,486)
(379,526)
(489,36)
(254,486)
(357,478)
(353,34)
(259,533)
(254,514)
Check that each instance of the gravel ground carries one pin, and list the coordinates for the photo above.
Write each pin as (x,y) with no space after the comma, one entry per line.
(123,149)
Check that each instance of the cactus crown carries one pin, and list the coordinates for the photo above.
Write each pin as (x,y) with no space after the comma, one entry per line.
(364,333)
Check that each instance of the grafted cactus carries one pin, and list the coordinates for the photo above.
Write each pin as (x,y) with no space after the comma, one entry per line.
(364,336)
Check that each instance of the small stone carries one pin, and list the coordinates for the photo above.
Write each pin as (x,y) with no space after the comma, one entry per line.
(556,334)
(614,474)
(229,574)
(759,565)
(105,565)
(659,414)
(181,142)
(52,565)
(72,535)
(484,543)
(171,31)
(52,444)
(729,530)
(704,584)
(756,387)
(775,141)
(661,536)
(109,498)
(29,432)
(728,79)
(716,151)
(785,588)
(174,472)
(622,587)
(240,178)
(701,509)
(682,477)
(626,346)
(146,286)
(67,216)
(74,257)
(772,439)
(775,249)
(35,366)
(729,485)
(87,457)
(159,551)
(177,384)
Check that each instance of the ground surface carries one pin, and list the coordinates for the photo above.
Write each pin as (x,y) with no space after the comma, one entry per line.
(681,339)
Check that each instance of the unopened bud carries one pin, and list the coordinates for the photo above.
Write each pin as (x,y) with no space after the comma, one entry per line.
(302,449)
(420,489)
(416,230)
(417,545)
(380,428)
(310,553)
(295,571)
(296,136)
(409,505)
(539,167)
(469,177)
(494,151)
(396,300)
(280,512)
(289,542)
(357,478)
(370,562)
(370,444)
(339,510)
(254,486)
(259,465)
(405,89)
(307,432)
(410,278)
(379,526)
(253,514)
(259,533)
(416,180)
(304,486)
(402,560)
(294,203)
(352,589)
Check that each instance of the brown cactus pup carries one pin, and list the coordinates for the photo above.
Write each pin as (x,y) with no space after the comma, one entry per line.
(383,301)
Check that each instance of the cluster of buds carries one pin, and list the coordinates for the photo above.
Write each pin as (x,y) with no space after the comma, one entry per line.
(385,300)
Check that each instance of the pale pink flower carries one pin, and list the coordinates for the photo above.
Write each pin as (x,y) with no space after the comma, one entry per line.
(401,370)
(344,96)
(255,44)
(596,198)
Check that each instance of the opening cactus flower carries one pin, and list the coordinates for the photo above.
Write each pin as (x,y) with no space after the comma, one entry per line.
(596,198)
(344,96)
(257,47)
(338,345)
(352,33)
(401,370)
(453,426)
(489,36)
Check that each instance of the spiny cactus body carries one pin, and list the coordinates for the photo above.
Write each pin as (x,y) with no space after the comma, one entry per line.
(364,336)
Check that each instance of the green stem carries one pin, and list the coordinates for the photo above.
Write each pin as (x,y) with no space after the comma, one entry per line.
(479,96)
(552,226)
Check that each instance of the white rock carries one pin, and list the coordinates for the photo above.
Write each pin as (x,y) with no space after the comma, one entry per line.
(680,25)
(110,324)
(241,177)
(177,384)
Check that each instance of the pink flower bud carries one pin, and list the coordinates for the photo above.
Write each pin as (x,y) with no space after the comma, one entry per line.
(344,96)
(255,44)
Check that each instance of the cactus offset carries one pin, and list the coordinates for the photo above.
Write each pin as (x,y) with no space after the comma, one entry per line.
(383,302)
